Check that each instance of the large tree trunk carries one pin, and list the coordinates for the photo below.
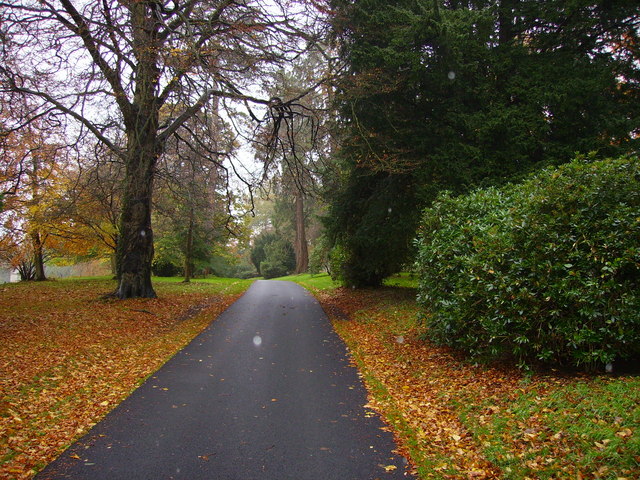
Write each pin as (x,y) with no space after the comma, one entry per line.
(135,241)
(113,263)
(301,249)
(38,257)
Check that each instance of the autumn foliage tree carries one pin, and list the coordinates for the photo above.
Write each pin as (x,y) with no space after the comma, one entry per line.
(12,159)
(111,67)
(92,205)
(29,217)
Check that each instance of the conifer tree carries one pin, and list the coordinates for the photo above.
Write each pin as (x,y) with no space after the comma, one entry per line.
(456,94)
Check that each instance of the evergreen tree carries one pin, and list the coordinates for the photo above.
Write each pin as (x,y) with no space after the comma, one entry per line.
(258,253)
(273,255)
(455,94)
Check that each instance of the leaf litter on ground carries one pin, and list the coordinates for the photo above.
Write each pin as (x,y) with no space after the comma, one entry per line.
(69,355)
(454,419)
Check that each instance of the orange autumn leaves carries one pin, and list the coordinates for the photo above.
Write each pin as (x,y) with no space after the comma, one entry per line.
(457,420)
(68,357)
(416,385)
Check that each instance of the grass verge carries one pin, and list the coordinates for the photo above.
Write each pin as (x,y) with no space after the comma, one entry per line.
(68,356)
(455,419)
(314,283)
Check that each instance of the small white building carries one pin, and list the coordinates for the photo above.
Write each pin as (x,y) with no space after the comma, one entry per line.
(8,274)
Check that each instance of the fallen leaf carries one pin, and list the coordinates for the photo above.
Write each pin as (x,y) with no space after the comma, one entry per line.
(92,376)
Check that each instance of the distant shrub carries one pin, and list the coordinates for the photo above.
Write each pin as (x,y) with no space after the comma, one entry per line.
(275,250)
(258,254)
(547,270)
(168,261)
(244,272)
(319,258)
(273,269)
(165,268)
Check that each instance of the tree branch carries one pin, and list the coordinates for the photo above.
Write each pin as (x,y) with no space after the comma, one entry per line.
(64,109)
(80,28)
(196,107)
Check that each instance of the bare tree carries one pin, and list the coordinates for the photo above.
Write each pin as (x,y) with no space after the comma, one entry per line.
(112,66)
(298,145)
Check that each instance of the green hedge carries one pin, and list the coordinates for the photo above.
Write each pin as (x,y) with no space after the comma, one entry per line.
(273,269)
(547,270)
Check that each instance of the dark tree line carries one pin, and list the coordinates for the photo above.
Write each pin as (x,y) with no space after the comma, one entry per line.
(458,94)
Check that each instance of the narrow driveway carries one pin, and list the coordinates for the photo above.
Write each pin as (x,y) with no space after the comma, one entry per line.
(266,392)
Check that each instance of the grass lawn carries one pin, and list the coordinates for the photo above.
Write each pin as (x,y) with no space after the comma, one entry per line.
(313,283)
(322,281)
(403,280)
(456,419)
(68,355)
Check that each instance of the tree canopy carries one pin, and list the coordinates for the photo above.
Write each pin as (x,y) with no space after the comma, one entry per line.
(132,73)
(456,94)
(432,95)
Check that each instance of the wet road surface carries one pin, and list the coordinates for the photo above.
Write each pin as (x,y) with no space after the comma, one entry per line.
(266,392)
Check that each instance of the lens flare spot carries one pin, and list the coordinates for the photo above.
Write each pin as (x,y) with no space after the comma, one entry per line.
(257,340)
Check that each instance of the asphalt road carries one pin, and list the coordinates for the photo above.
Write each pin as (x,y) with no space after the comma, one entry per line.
(265,392)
